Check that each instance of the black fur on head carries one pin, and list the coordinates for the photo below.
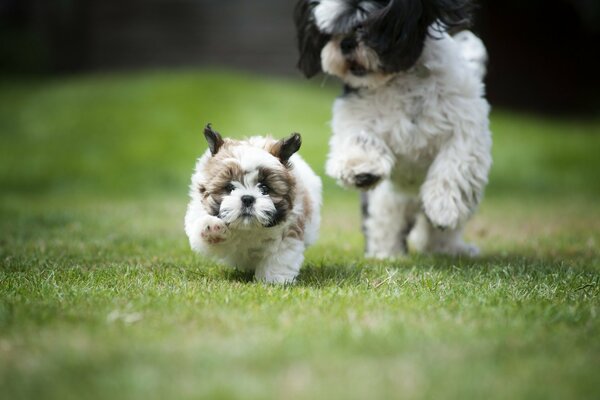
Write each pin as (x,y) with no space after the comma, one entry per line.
(310,39)
(397,32)
(395,29)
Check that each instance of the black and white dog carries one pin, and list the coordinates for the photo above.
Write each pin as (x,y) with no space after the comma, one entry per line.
(411,129)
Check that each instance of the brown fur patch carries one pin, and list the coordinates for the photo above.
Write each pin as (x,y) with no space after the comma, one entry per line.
(220,170)
(307,206)
(281,185)
(274,148)
(296,230)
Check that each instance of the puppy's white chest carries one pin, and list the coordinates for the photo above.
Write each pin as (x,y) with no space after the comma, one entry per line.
(245,248)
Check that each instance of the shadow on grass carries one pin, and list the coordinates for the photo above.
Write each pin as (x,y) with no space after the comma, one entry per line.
(507,266)
(351,272)
(239,275)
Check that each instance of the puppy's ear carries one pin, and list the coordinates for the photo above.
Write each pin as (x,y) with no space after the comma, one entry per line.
(310,40)
(285,148)
(214,139)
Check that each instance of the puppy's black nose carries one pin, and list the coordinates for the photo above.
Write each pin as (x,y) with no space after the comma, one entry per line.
(247,200)
(348,44)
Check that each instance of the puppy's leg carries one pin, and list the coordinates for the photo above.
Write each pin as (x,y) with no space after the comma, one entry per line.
(358,160)
(388,217)
(283,265)
(203,230)
(426,238)
(213,230)
(456,179)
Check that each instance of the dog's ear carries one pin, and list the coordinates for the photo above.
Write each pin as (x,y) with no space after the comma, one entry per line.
(214,139)
(285,148)
(398,31)
(310,40)
(453,15)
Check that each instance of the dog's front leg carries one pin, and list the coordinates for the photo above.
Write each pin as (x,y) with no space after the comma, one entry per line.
(456,180)
(360,160)
(283,265)
(203,230)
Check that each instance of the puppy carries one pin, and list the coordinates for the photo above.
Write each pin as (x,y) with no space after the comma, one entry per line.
(411,129)
(255,205)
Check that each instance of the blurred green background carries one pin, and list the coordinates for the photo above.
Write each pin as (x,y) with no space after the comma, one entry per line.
(122,134)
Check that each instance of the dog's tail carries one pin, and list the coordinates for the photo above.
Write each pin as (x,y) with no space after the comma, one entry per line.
(473,50)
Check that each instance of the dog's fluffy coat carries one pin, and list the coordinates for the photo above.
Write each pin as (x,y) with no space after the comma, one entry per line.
(411,129)
(255,205)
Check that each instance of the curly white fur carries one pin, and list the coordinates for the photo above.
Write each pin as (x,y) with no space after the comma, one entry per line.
(425,133)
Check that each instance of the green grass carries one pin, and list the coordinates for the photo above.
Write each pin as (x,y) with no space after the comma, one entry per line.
(100,296)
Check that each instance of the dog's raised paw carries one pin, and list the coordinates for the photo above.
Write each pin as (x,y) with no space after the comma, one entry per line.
(213,230)
(359,172)
(366,180)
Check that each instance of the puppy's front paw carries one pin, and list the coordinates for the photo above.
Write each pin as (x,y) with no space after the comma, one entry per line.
(213,230)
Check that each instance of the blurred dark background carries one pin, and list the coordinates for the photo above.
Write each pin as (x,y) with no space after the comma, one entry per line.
(545,54)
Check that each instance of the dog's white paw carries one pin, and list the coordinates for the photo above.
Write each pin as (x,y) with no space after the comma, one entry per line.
(359,173)
(442,213)
(359,161)
(213,230)
(455,249)
(265,276)
(378,254)
(466,249)
(443,206)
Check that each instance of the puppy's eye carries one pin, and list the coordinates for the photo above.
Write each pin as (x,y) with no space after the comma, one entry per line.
(229,188)
(264,189)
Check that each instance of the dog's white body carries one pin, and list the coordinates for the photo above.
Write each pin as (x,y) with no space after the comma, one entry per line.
(425,132)
(274,253)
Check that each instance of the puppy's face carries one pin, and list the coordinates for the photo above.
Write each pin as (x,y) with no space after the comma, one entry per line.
(248,184)
(365,43)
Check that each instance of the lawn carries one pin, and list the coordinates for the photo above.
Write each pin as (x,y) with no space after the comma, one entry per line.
(101,298)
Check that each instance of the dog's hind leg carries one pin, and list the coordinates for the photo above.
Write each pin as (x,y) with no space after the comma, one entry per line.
(426,238)
(388,217)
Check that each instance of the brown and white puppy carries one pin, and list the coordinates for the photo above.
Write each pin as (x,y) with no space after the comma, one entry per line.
(255,205)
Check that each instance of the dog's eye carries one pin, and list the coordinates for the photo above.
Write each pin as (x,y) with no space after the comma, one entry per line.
(264,189)
(229,188)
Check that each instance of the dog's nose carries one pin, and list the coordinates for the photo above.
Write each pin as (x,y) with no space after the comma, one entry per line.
(348,44)
(247,200)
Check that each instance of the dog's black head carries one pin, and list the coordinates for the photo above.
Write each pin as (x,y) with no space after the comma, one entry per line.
(363,42)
